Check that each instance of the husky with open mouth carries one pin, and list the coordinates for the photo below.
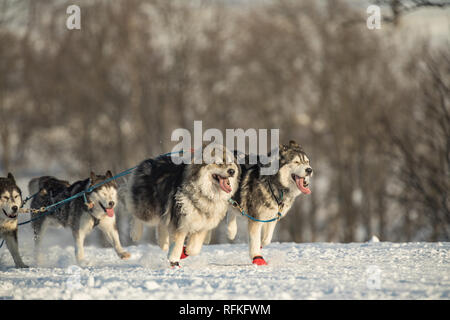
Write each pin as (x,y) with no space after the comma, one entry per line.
(185,200)
(265,197)
(10,202)
(77,215)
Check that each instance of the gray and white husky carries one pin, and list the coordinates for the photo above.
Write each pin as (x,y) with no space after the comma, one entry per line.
(10,202)
(186,201)
(76,214)
(264,197)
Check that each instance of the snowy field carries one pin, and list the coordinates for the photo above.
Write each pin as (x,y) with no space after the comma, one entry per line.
(296,271)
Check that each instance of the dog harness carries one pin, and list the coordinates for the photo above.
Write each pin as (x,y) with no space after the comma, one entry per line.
(96,220)
(279,202)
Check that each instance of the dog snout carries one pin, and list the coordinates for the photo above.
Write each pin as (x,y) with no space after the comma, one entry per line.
(231,172)
(308,170)
(111,204)
(14,209)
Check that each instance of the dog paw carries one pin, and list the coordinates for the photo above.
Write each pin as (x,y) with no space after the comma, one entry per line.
(124,255)
(184,255)
(175,265)
(259,261)
(265,243)
(82,263)
(22,265)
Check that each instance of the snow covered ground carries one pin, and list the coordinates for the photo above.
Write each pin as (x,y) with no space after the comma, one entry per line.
(380,270)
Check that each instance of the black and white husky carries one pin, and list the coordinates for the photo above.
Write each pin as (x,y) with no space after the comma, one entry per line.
(10,202)
(77,215)
(265,197)
(186,201)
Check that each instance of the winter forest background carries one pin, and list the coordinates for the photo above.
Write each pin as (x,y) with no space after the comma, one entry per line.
(370,107)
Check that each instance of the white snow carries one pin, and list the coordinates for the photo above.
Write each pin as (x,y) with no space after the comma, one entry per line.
(374,270)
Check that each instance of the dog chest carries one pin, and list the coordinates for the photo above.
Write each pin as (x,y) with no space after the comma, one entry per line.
(8,226)
(204,215)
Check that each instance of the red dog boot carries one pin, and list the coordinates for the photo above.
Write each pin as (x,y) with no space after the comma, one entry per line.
(184,255)
(259,260)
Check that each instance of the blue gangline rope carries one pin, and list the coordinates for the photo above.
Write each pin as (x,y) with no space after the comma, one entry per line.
(242,211)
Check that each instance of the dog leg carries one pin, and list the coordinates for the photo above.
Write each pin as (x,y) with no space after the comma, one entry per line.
(85,227)
(267,232)
(176,248)
(231,225)
(137,228)
(163,236)
(39,228)
(13,247)
(79,237)
(109,228)
(195,242)
(208,237)
(254,231)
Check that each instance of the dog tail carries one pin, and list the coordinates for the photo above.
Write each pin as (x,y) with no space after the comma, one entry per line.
(33,186)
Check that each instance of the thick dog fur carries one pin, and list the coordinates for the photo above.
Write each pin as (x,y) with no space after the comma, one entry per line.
(10,202)
(262,196)
(75,214)
(184,200)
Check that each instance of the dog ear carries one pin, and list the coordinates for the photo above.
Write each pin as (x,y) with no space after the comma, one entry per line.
(109,174)
(93,176)
(282,154)
(11,177)
(283,148)
(295,146)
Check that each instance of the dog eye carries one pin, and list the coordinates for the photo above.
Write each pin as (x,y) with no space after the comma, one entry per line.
(6,198)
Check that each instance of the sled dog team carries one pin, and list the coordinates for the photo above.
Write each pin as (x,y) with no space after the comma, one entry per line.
(184,201)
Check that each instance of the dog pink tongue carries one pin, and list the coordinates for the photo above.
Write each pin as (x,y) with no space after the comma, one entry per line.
(110,212)
(225,185)
(299,182)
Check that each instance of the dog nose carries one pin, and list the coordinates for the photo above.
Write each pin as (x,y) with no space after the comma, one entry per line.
(14,208)
(231,172)
(308,170)
(111,204)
